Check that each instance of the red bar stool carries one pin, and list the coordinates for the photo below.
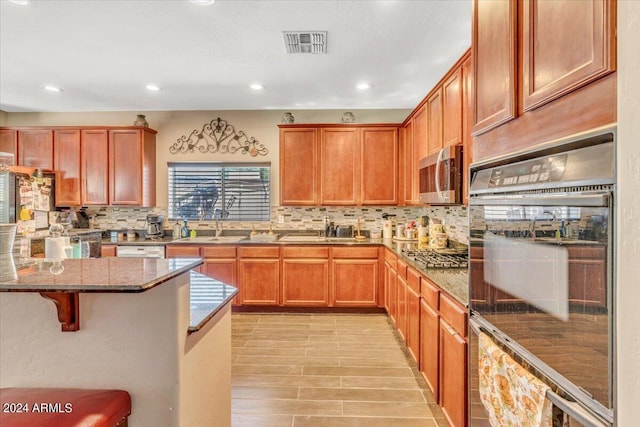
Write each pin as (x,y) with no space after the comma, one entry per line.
(63,407)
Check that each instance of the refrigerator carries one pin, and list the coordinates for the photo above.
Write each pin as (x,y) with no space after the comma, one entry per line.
(27,200)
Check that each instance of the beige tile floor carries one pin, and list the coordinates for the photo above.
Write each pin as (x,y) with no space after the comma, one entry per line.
(325,370)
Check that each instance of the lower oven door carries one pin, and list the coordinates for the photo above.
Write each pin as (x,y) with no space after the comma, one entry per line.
(563,410)
(140,251)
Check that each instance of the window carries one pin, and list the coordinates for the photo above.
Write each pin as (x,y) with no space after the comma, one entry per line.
(226,191)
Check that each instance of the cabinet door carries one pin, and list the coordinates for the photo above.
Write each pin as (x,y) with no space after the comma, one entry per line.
(392,280)
(452,109)
(420,148)
(67,163)
(453,375)
(339,166)
(35,148)
(125,167)
(401,306)
(467,125)
(223,270)
(298,166)
(494,62)
(94,167)
(429,344)
(434,131)
(107,251)
(9,143)
(413,324)
(409,185)
(565,45)
(182,251)
(587,282)
(305,282)
(259,280)
(355,282)
(379,160)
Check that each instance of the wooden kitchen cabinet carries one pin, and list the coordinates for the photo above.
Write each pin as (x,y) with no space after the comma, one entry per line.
(94,166)
(355,276)
(413,314)
(564,46)
(453,361)
(379,170)
(494,37)
(35,148)
(108,251)
(299,166)
(9,142)
(467,125)
(452,110)
(305,276)
(390,279)
(132,156)
(434,131)
(182,251)
(429,335)
(220,264)
(259,275)
(401,299)
(339,166)
(67,164)
(587,276)
(409,165)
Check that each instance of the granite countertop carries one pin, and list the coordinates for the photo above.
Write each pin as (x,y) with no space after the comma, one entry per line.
(208,296)
(91,274)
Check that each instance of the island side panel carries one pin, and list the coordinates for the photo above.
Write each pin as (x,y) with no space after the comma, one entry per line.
(127,341)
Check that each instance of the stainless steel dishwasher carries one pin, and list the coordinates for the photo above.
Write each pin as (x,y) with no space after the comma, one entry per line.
(140,251)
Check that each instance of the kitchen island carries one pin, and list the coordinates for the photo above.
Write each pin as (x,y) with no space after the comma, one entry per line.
(152,327)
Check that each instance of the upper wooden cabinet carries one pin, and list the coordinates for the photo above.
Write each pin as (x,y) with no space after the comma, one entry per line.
(95,166)
(299,166)
(132,156)
(452,111)
(9,142)
(67,163)
(379,171)
(434,133)
(35,148)
(339,165)
(565,45)
(494,56)
(409,183)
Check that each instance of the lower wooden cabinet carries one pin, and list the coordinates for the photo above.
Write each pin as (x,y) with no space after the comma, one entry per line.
(453,375)
(305,282)
(401,306)
(413,314)
(355,282)
(429,344)
(220,264)
(259,275)
(107,251)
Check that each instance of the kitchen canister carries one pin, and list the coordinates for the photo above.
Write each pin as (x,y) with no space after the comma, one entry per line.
(438,240)
(400,231)
(387,229)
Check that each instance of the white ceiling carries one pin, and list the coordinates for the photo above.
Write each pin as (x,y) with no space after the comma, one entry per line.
(103,53)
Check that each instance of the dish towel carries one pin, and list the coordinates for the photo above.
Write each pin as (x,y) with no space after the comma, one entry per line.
(512,396)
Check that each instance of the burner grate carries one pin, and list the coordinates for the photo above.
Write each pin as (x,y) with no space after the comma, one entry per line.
(432,259)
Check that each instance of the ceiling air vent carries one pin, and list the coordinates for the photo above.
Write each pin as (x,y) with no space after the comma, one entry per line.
(305,41)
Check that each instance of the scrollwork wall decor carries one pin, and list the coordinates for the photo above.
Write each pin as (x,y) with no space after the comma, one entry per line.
(218,136)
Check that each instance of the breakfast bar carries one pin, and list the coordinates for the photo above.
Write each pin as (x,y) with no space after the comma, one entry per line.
(152,327)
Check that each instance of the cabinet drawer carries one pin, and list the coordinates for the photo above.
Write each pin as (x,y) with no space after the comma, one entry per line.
(593,253)
(402,269)
(429,292)
(218,252)
(368,252)
(305,252)
(413,279)
(259,252)
(391,259)
(182,251)
(454,314)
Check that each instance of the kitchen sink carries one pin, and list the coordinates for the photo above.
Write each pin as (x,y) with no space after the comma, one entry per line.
(303,239)
(211,239)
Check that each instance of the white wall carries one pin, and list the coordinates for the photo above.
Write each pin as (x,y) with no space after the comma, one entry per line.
(171,125)
(628,215)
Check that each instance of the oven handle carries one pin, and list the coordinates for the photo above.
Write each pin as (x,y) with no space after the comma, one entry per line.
(574,410)
(555,199)
(438,163)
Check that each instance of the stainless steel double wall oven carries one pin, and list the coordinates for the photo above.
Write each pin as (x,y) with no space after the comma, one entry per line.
(541,271)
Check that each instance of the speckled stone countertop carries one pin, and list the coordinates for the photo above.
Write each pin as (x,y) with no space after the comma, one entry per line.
(94,274)
(208,296)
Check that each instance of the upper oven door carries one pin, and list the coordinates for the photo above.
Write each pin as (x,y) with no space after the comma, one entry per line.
(440,177)
(541,271)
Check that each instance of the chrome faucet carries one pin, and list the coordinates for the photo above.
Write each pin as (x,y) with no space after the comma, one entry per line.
(218,225)
(535,218)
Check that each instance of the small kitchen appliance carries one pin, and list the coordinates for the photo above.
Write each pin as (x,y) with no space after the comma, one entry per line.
(154,226)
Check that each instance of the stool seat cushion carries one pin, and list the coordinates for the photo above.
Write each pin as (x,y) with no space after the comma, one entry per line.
(63,407)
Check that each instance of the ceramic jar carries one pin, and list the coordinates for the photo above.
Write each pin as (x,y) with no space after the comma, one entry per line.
(287,119)
(348,117)
(141,121)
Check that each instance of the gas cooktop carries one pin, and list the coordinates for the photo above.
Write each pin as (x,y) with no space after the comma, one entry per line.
(439,258)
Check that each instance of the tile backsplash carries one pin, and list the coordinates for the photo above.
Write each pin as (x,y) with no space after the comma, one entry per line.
(297,218)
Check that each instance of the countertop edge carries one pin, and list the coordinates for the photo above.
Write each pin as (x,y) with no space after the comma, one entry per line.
(211,309)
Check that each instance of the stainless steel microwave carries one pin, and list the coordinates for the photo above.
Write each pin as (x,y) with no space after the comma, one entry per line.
(440,177)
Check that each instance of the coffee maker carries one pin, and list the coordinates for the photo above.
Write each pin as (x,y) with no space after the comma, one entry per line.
(154,226)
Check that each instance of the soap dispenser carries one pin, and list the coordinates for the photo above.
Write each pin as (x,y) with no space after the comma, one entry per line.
(185,229)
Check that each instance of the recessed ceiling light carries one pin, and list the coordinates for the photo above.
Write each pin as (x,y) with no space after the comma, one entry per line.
(256,86)
(203,2)
(363,86)
(51,88)
(20,2)
(152,87)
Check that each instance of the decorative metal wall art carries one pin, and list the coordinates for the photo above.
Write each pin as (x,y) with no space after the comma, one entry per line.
(218,136)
